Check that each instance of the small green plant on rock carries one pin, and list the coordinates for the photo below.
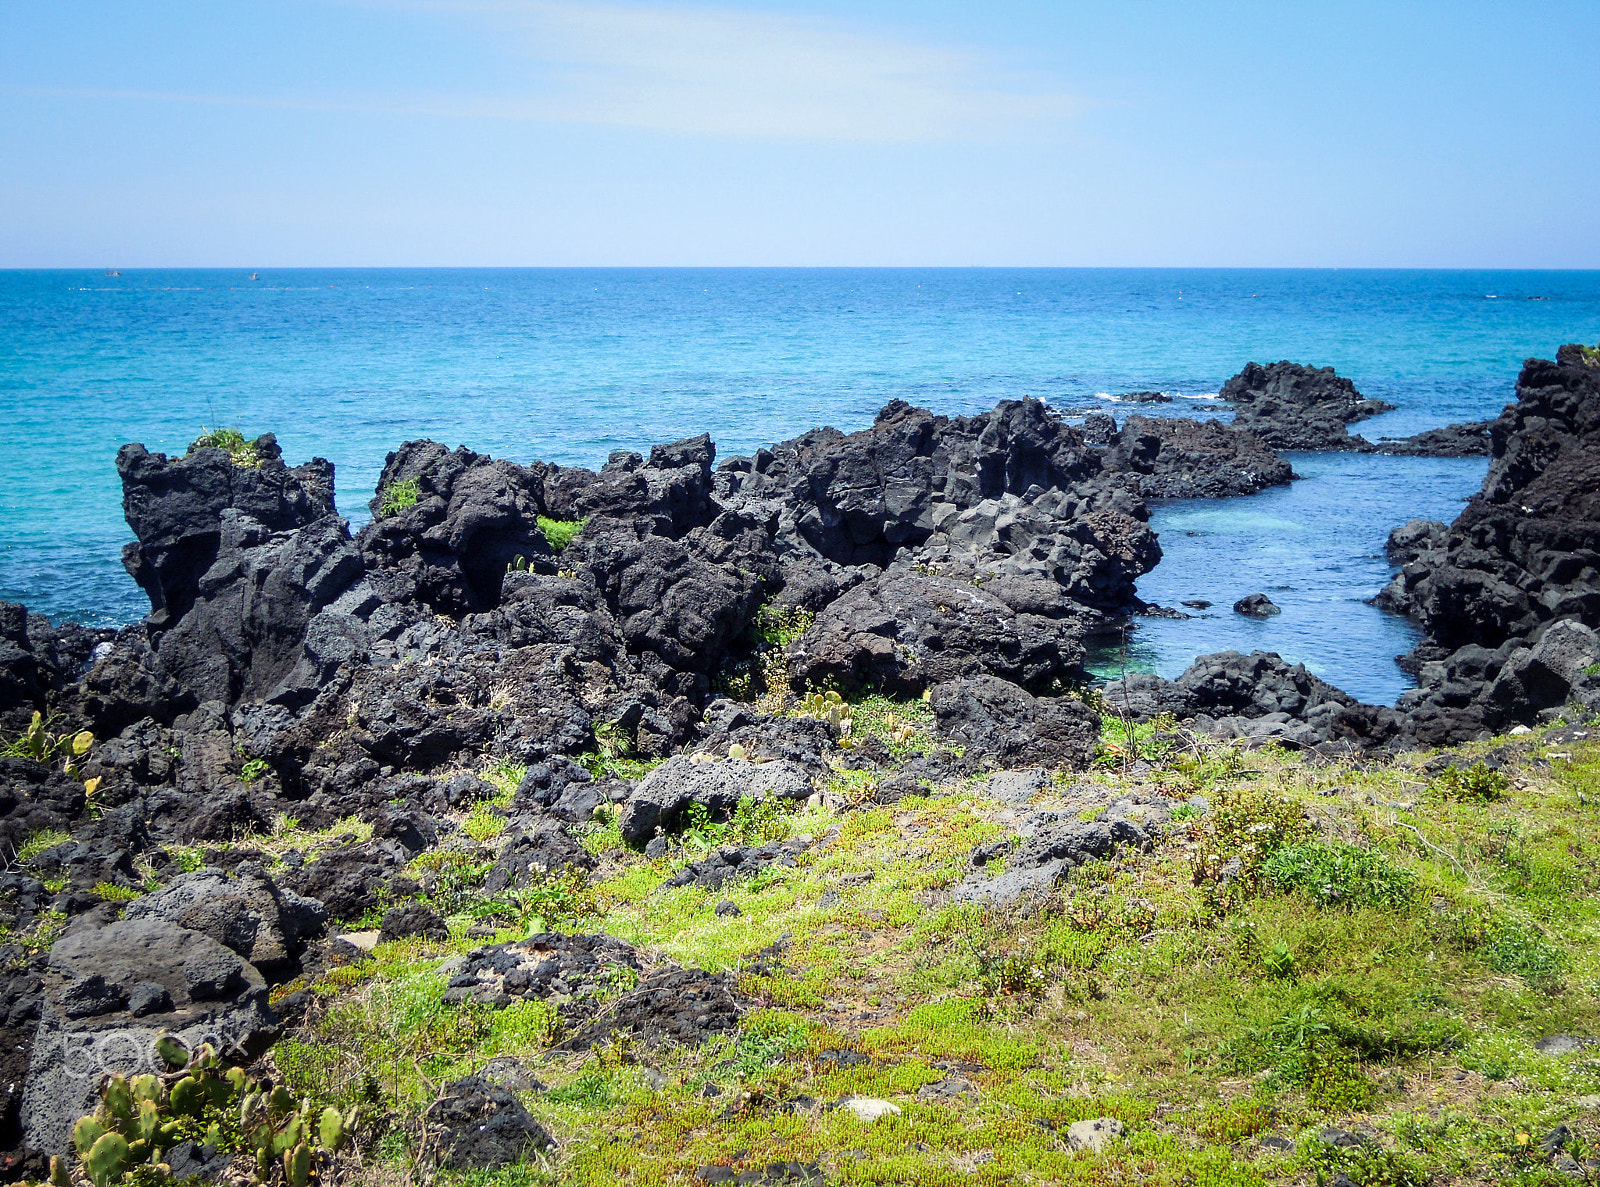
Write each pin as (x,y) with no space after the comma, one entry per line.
(241,452)
(400,495)
(558,533)
(253,769)
(779,626)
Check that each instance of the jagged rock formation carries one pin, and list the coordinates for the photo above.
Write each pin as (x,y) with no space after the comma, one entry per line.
(1168,457)
(1292,406)
(1509,594)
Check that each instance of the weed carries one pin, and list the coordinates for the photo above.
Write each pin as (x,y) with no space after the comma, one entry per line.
(1279,960)
(1122,741)
(558,533)
(1478,782)
(484,824)
(779,626)
(399,495)
(253,769)
(591,1090)
(1338,876)
(241,452)
(112,893)
(766,1040)
(40,840)
(505,776)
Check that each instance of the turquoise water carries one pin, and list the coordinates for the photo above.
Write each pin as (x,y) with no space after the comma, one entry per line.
(567,365)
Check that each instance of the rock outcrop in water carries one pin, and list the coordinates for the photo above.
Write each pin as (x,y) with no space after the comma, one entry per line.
(1292,406)
(1508,595)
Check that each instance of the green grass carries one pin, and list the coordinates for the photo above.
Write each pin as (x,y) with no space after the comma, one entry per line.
(558,533)
(1309,952)
(399,495)
(39,841)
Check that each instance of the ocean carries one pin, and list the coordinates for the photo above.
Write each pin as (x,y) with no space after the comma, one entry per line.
(569,364)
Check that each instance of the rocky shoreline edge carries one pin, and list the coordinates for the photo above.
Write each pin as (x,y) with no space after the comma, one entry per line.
(652,642)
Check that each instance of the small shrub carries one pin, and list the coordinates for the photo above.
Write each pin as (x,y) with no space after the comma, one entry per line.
(558,533)
(241,452)
(253,769)
(1339,876)
(1365,1163)
(400,495)
(1246,826)
(1478,782)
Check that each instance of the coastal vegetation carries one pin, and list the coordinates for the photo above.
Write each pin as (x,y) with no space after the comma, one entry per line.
(400,495)
(1328,968)
(241,451)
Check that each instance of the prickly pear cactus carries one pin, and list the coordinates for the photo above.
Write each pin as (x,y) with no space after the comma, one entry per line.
(139,1119)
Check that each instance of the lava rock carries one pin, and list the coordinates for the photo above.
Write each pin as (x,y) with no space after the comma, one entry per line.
(412,919)
(213,996)
(479,1126)
(662,796)
(1291,406)
(1256,605)
(1004,723)
(684,1006)
(901,633)
(246,912)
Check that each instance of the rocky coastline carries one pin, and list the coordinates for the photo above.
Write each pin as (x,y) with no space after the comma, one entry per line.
(678,617)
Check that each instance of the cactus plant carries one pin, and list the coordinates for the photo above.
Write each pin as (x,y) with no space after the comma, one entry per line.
(139,1118)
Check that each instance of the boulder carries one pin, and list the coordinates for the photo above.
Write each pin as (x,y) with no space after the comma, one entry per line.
(478,1126)
(682,1006)
(1005,724)
(1256,605)
(246,912)
(412,919)
(661,797)
(185,983)
(901,633)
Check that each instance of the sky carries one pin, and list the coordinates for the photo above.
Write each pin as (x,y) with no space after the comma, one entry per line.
(1290,133)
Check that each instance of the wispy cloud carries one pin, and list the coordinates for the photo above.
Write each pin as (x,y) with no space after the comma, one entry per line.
(726,72)
(692,70)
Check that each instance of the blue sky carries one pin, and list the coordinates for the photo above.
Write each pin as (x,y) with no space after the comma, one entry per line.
(563,132)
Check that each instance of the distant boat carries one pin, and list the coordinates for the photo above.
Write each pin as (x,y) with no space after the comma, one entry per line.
(255,276)
(113,273)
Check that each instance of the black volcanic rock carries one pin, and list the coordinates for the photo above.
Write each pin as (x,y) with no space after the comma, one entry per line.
(1461,440)
(901,633)
(1523,558)
(1256,605)
(1177,458)
(1292,406)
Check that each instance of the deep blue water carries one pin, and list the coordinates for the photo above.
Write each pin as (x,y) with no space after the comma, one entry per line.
(567,365)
